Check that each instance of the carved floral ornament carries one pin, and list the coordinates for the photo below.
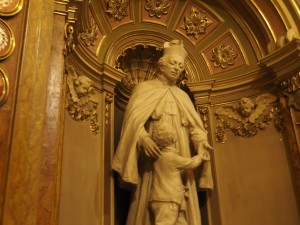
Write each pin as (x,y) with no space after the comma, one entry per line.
(157,7)
(196,23)
(291,89)
(90,35)
(248,118)
(223,56)
(117,9)
(81,101)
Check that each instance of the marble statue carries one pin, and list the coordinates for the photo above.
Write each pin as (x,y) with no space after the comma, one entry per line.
(168,197)
(161,101)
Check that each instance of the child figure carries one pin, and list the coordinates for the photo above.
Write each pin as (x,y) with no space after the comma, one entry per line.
(167,196)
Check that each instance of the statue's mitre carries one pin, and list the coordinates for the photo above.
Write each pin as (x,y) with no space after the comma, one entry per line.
(175,47)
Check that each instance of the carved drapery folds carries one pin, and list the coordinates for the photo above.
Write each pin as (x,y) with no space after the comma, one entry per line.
(291,89)
(117,9)
(249,117)
(157,7)
(81,100)
(90,35)
(196,23)
(223,56)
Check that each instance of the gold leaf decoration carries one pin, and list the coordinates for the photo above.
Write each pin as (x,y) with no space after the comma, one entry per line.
(81,101)
(117,9)
(157,7)
(196,23)
(223,56)
(90,35)
(291,89)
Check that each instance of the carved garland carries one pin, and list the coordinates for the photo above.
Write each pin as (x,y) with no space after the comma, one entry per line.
(157,7)
(249,117)
(196,23)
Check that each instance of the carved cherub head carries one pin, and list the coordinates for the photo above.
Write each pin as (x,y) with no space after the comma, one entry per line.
(163,134)
(246,107)
(82,85)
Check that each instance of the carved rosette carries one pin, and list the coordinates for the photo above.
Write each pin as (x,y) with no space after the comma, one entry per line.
(90,35)
(223,56)
(196,23)
(157,7)
(291,89)
(248,119)
(117,9)
(81,101)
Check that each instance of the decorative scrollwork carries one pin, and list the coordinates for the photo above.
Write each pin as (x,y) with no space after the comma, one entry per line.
(90,35)
(69,45)
(291,89)
(203,110)
(117,8)
(196,23)
(81,99)
(248,118)
(157,7)
(223,56)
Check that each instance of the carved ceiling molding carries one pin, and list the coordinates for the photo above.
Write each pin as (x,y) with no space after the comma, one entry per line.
(81,100)
(223,56)
(117,9)
(196,22)
(157,7)
(249,117)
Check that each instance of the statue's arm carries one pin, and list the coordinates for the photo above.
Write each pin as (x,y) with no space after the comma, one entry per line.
(146,143)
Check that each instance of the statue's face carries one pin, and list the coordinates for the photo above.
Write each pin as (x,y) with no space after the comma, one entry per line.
(172,68)
(83,87)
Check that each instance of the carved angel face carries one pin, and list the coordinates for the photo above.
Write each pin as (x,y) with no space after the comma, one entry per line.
(171,67)
(82,85)
(246,107)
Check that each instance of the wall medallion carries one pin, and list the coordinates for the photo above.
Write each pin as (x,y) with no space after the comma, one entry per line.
(10,7)
(7,40)
(249,117)
(4,87)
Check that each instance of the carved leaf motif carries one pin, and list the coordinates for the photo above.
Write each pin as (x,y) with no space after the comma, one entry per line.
(117,8)
(196,23)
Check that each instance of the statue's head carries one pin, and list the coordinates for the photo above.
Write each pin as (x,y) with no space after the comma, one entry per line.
(171,64)
(82,85)
(246,106)
(163,134)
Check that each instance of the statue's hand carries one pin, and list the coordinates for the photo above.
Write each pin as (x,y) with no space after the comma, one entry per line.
(150,148)
(203,150)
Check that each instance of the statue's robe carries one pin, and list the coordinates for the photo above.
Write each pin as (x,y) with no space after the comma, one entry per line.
(157,101)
